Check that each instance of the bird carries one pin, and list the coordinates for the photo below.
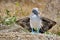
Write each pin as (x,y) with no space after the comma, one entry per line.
(35,21)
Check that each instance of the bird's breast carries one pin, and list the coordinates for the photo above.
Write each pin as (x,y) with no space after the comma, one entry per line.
(34,17)
(34,21)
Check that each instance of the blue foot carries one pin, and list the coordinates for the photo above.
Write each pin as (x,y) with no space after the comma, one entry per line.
(33,32)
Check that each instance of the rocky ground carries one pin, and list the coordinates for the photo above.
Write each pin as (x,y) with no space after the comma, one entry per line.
(29,36)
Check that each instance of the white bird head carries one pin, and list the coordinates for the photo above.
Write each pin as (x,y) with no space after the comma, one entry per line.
(35,11)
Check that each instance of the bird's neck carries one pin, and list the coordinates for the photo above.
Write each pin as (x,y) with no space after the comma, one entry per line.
(34,15)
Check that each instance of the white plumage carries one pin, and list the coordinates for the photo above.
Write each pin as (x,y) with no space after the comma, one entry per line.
(35,21)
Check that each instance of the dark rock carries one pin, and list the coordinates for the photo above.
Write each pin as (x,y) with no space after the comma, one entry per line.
(47,24)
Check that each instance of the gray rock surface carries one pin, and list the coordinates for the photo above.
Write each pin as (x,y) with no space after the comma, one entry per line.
(29,36)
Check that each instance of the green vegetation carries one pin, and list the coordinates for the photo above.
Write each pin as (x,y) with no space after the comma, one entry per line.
(58,33)
(8,19)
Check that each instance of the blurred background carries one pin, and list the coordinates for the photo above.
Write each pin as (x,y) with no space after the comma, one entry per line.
(22,8)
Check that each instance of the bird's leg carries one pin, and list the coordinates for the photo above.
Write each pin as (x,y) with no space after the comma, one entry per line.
(32,30)
(38,30)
